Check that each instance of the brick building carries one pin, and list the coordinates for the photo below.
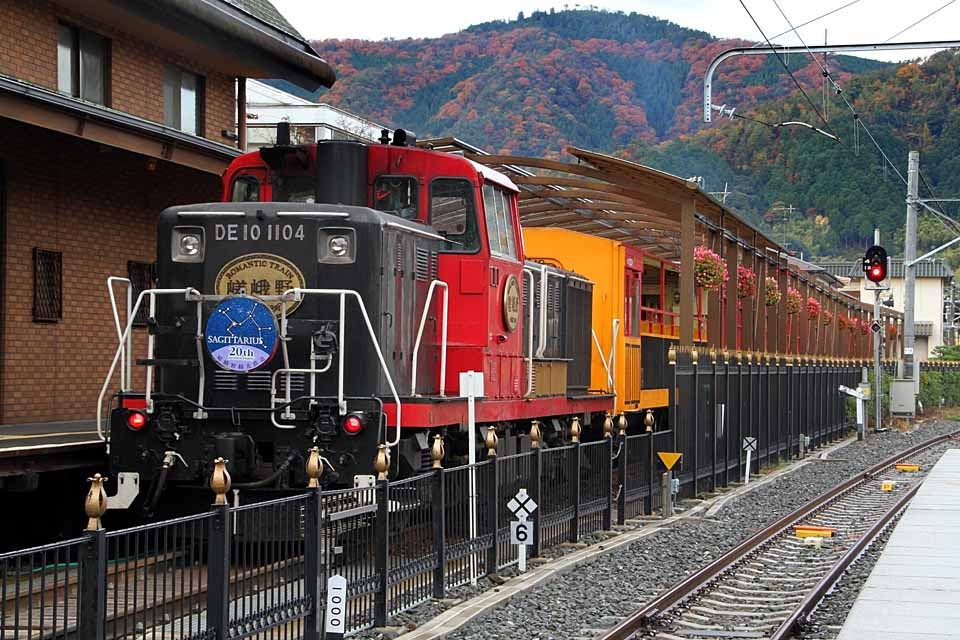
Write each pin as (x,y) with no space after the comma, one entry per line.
(109,112)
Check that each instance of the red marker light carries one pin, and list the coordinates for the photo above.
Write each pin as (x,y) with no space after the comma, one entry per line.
(136,420)
(352,425)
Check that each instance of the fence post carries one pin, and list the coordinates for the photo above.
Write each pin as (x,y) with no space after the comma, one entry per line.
(622,469)
(607,518)
(535,487)
(91,617)
(312,531)
(493,506)
(439,511)
(218,555)
(695,360)
(382,537)
(573,474)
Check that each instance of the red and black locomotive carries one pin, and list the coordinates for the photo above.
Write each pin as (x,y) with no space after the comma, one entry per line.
(333,300)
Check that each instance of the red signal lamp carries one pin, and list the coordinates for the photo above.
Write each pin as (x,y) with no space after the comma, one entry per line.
(352,425)
(875,264)
(136,420)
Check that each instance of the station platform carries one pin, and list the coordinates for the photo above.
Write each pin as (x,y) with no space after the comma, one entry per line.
(41,437)
(914,589)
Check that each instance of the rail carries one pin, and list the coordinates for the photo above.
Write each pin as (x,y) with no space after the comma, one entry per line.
(443,338)
(693,583)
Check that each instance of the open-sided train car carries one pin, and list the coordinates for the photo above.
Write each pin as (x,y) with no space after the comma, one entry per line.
(635,315)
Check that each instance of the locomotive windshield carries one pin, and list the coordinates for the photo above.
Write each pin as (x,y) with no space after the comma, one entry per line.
(453,214)
(295,188)
(396,195)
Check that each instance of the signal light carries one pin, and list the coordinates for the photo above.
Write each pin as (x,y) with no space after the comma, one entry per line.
(875,264)
(136,420)
(352,425)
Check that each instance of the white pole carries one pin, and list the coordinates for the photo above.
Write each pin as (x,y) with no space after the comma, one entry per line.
(522,553)
(472,453)
(747,481)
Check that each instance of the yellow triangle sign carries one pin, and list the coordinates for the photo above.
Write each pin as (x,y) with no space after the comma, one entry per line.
(669,458)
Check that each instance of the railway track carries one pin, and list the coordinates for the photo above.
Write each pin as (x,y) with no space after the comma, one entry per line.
(768,585)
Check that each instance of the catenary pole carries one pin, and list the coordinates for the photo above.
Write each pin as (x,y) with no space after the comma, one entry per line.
(909,253)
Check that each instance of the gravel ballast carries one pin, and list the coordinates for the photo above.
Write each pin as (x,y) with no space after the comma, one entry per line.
(603,590)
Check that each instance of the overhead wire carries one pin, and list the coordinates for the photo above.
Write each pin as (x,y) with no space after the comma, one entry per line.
(929,15)
(789,72)
(812,20)
(944,219)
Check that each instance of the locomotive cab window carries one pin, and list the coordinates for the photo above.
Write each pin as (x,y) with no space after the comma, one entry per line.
(245,189)
(295,188)
(396,195)
(454,215)
(498,213)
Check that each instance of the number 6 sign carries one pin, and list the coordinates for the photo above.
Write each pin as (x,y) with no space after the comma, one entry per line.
(336,607)
(521,532)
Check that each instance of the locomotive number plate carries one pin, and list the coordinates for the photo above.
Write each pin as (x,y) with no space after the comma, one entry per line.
(511,302)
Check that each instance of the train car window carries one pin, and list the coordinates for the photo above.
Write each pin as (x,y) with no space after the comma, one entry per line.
(245,189)
(453,213)
(632,293)
(396,195)
(498,214)
(295,188)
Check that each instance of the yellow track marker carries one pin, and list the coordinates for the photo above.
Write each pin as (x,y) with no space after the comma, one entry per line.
(811,531)
(907,467)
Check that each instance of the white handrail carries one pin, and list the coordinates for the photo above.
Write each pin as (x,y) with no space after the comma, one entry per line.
(343,293)
(542,342)
(443,338)
(273,390)
(125,367)
(603,359)
(529,272)
(123,338)
(609,362)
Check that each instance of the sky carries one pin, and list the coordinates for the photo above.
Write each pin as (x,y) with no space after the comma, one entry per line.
(861,22)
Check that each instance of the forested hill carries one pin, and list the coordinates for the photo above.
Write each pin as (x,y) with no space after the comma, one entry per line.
(537,83)
(841,190)
(632,85)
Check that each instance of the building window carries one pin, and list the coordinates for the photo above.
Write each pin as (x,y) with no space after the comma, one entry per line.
(47,285)
(183,100)
(83,64)
(143,276)
(453,214)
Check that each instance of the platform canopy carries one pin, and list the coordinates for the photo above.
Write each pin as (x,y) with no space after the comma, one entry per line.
(613,198)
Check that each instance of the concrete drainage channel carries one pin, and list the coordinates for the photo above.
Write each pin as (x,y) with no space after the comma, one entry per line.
(588,590)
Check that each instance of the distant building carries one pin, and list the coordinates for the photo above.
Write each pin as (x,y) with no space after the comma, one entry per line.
(934,299)
(309,121)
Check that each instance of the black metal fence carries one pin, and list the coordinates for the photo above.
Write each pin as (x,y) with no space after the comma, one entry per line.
(261,570)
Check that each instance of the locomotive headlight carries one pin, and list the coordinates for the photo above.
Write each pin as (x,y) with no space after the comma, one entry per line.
(339,246)
(336,245)
(186,244)
(189,244)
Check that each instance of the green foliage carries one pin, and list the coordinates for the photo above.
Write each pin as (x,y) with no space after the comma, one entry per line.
(937,385)
(947,352)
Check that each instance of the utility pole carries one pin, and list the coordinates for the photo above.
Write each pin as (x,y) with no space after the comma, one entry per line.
(909,254)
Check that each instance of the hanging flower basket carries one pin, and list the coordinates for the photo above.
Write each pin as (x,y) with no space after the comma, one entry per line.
(771,292)
(746,282)
(813,308)
(710,270)
(827,317)
(844,323)
(794,301)
(892,330)
(864,327)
